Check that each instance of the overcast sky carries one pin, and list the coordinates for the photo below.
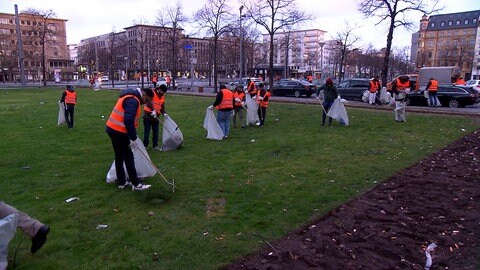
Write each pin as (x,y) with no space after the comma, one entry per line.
(88,18)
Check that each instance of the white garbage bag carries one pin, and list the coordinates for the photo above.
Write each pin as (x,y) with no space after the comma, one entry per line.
(61,114)
(385,96)
(365,95)
(427,96)
(143,164)
(172,137)
(8,227)
(214,132)
(252,111)
(338,112)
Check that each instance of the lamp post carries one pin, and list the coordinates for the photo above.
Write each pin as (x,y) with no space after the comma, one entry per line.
(241,43)
(321,57)
(126,70)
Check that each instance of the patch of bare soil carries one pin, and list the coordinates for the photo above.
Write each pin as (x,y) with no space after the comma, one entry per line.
(389,227)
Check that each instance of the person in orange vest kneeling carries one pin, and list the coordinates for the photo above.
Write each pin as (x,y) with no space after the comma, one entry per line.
(69,99)
(224,104)
(432,88)
(121,127)
(262,100)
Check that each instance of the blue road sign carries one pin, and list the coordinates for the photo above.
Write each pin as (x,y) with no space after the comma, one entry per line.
(188,47)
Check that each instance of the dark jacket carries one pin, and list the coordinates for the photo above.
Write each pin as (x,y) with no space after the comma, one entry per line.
(330,93)
(130,105)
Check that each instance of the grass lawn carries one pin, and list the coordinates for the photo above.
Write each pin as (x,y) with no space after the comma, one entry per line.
(231,195)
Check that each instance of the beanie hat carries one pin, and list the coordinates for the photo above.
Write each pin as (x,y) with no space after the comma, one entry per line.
(329,81)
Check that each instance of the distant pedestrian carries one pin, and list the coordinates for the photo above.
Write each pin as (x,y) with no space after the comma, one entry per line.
(251,88)
(224,103)
(239,106)
(69,99)
(432,88)
(121,128)
(460,81)
(154,80)
(373,89)
(263,97)
(330,93)
(400,89)
(168,81)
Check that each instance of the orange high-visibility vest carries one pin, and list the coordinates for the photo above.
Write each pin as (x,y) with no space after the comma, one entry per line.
(252,88)
(239,95)
(227,101)
(374,86)
(264,102)
(157,103)
(70,97)
(116,121)
(433,86)
(402,86)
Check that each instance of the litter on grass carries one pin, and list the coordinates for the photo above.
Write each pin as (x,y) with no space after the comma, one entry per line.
(69,200)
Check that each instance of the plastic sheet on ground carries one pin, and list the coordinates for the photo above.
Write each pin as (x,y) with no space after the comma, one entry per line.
(143,164)
(61,114)
(214,132)
(172,137)
(338,112)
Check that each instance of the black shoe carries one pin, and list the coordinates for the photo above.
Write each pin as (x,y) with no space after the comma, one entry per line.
(39,239)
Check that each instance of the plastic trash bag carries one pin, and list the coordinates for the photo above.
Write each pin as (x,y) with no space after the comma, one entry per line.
(365,95)
(8,227)
(252,111)
(385,97)
(214,132)
(61,114)
(427,96)
(172,137)
(143,164)
(338,112)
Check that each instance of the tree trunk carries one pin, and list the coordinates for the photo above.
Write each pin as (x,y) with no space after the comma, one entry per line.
(386,59)
(270,63)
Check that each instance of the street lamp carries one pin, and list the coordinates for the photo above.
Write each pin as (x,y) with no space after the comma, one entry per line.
(241,43)
(321,57)
(126,69)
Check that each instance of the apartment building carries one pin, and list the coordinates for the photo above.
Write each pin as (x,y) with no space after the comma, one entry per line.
(449,40)
(35,30)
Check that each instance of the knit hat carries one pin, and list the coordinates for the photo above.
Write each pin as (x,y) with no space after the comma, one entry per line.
(329,81)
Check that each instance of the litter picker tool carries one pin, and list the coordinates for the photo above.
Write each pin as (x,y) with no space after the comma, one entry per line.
(321,104)
(160,173)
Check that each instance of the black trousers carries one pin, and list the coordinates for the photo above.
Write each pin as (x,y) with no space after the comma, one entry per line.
(69,112)
(262,113)
(123,154)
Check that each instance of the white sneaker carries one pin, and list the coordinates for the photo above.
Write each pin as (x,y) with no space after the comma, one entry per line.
(127,184)
(140,187)
(157,148)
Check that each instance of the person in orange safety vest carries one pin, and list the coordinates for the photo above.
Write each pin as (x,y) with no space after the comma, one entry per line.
(460,81)
(251,88)
(400,89)
(69,99)
(239,106)
(262,100)
(151,111)
(224,104)
(373,90)
(121,127)
(432,88)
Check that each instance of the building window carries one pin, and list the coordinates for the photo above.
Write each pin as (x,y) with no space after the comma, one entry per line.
(466,21)
(432,24)
(457,22)
(442,24)
(474,21)
(450,22)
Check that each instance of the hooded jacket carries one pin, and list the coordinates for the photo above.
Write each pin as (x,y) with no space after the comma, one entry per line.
(130,106)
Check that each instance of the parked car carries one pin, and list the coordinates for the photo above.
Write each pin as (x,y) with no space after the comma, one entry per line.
(243,81)
(161,80)
(352,89)
(452,96)
(475,84)
(295,88)
(104,78)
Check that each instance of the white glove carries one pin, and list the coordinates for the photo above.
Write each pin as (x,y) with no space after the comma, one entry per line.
(233,113)
(237,100)
(243,103)
(260,98)
(165,115)
(318,97)
(133,144)
(210,107)
(154,114)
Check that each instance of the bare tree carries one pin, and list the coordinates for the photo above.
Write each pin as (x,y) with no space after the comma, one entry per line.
(40,19)
(273,15)
(171,19)
(346,42)
(216,19)
(395,13)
